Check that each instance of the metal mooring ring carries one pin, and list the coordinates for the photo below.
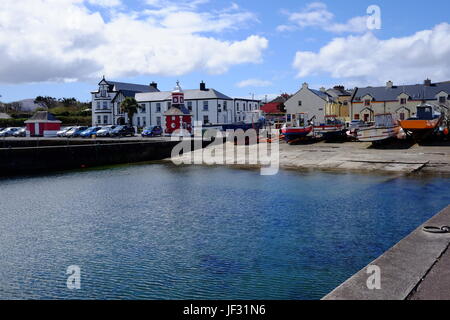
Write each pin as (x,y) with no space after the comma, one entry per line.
(444,229)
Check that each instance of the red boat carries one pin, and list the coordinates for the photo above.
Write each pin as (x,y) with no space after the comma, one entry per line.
(297,129)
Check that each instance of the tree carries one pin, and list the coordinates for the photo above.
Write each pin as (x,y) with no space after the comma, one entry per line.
(46,102)
(130,107)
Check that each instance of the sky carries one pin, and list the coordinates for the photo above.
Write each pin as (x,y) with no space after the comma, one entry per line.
(243,48)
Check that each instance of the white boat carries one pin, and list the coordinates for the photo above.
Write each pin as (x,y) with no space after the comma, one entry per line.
(385,127)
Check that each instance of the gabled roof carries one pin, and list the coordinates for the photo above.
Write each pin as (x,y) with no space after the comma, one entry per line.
(416,91)
(195,94)
(272,107)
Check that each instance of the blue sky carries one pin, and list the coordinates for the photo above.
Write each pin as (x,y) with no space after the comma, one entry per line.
(237,47)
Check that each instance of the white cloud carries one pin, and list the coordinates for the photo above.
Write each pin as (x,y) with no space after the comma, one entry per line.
(105,3)
(365,59)
(316,15)
(62,40)
(253,83)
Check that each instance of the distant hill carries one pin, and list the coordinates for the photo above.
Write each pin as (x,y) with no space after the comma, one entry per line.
(28,104)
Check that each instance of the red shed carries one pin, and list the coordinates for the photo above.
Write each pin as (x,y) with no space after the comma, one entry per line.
(42,124)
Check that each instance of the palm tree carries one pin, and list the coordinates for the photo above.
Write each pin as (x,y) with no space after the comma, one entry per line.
(130,107)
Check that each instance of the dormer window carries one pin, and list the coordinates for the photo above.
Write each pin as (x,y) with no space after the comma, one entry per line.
(367,102)
(442,99)
(403,101)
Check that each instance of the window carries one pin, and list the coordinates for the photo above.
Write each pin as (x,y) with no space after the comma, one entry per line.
(98,105)
(402,101)
(143,107)
(299,103)
(442,99)
(139,121)
(402,116)
(158,107)
(105,119)
(225,106)
(288,118)
(158,121)
(105,105)
(219,108)
(205,120)
(99,119)
(237,106)
(356,116)
(103,92)
(144,121)
(367,102)
(189,105)
(205,105)
(345,103)
(169,104)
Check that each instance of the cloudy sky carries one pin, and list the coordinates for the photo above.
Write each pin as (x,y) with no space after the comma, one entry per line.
(242,48)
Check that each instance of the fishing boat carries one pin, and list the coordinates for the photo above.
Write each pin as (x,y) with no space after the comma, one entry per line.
(330,128)
(385,127)
(425,123)
(297,129)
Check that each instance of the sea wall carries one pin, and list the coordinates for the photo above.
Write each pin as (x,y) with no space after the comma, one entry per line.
(56,156)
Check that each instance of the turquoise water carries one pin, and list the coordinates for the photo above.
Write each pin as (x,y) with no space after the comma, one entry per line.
(163,232)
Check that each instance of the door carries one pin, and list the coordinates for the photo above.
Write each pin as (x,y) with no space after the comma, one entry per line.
(366,118)
(36,129)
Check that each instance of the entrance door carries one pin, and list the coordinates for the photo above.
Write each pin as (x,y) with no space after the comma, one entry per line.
(366,118)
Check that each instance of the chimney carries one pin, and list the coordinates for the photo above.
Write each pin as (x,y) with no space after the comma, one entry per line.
(389,84)
(427,83)
(305,85)
(154,85)
(323,89)
(202,86)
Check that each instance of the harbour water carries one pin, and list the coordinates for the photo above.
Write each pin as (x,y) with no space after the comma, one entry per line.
(158,231)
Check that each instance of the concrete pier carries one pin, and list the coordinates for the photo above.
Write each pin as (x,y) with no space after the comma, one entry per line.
(416,268)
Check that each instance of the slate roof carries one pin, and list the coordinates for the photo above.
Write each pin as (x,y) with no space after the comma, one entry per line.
(131,87)
(321,94)
(416,91)
(43,116)
(195,94)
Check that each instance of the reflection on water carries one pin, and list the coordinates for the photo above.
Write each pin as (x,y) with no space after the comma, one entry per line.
(164,232)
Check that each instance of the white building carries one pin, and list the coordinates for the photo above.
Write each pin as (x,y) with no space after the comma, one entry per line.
(205,104)
(315,103)
(107,99)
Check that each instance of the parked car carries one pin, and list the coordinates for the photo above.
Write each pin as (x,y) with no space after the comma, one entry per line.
(123,131)
(88,133)
(75,132)
(152,131)
(22,132)
(105,131)
(63,131)
(8,132)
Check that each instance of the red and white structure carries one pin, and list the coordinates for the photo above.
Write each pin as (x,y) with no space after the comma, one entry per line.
(42,124)
(178,116)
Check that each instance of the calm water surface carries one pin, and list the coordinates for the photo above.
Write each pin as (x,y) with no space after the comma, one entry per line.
(163,232)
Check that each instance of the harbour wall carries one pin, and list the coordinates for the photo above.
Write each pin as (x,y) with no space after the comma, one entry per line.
(415,268)
(23,157)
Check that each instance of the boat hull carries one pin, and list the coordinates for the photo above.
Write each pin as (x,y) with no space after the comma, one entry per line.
(295,133)
(377,134)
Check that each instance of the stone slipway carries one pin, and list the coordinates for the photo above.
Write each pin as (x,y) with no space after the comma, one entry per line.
(353,156)
(415,268)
